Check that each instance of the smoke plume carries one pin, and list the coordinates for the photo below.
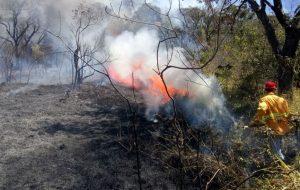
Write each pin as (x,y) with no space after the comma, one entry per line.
(132,49)
(199,96)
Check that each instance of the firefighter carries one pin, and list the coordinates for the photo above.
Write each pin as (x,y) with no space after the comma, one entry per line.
(273,112)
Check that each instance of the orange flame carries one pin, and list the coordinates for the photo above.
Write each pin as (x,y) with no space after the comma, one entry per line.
(154,85)
(124,80)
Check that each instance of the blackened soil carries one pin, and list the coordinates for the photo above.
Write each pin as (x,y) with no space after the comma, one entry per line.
(48,142)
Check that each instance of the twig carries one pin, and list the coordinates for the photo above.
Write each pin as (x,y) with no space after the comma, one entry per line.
(209,182)
(253,175)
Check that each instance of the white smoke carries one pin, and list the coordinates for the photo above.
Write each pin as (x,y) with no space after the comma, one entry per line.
(57,15)
(136,53)
(132,48)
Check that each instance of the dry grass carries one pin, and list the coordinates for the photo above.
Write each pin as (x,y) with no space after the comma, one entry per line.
(295,104)
(289,180)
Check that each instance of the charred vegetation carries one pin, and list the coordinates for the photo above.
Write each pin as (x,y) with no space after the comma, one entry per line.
(145,95)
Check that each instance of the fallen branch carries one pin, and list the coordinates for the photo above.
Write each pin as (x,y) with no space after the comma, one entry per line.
(257,172)
(211,179)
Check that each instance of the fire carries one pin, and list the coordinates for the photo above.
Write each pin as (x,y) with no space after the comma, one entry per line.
(156,87)
(153,86)
(126,81)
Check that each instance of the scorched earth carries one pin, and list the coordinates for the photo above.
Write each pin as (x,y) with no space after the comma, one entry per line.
(50,141)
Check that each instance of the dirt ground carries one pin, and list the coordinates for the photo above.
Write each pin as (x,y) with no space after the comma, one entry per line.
(49,143)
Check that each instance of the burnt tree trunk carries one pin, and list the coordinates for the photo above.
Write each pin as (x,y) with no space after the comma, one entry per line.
(285,76)
(76,66)
(287,60)
(286,53)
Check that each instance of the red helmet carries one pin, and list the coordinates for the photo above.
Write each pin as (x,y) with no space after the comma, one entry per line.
(270,86)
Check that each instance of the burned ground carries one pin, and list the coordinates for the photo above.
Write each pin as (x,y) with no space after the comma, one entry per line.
(73,144)
(83,140)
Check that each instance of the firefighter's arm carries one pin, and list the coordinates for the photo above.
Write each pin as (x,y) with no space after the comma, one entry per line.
(258,118)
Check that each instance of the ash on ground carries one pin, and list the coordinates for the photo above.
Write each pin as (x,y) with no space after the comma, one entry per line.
(71,144)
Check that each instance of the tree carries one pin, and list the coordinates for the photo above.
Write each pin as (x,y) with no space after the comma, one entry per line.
(19,32)
(84,18)
(285,51)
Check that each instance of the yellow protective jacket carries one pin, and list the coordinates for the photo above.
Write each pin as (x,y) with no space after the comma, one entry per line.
(273,111)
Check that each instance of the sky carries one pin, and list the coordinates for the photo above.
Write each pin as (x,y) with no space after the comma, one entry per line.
(290,5)
(68,5)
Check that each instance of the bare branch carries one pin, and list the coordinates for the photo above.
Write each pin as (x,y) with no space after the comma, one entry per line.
(212,178)
(135,21)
